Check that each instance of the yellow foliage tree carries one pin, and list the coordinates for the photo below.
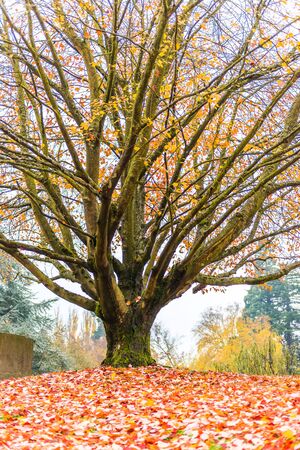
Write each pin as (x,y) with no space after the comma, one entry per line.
(75,339)
(228,342)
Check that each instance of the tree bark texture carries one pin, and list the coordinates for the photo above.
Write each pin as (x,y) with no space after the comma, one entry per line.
(128,342)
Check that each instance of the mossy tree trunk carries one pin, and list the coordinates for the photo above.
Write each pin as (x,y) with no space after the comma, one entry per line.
(128,341)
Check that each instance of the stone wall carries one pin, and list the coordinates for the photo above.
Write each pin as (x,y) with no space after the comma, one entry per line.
(15,355)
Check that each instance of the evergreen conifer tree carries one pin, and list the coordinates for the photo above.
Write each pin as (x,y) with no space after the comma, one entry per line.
(19,314)
(279,300)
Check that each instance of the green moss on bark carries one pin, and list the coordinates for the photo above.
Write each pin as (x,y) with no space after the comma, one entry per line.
(127,358)
(129,346)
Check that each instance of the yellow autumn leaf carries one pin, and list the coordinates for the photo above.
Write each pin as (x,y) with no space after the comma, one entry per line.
(85,126)
(288,434)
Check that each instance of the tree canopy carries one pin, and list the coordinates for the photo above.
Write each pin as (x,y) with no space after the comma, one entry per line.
(147,148)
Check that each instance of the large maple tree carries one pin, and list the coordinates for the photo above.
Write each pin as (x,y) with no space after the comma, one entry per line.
(147,147)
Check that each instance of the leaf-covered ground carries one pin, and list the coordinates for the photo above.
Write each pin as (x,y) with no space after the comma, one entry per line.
(149,408)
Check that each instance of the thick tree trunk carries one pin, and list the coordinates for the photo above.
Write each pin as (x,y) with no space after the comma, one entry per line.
(128,342)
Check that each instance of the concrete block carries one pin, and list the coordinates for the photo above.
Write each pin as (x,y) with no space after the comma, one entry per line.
(15,355)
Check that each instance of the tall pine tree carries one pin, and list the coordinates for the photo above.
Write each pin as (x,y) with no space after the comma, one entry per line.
(279,300)
(18,309)
(19,314)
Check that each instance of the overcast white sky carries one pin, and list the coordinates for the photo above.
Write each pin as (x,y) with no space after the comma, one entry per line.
(179,317)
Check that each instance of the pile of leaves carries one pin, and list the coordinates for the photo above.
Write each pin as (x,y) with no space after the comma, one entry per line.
(149,408)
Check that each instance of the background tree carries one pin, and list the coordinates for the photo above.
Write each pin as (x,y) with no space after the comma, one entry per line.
(58,345)
(78,339)
(19,314)
(145,148)
(99,331)
(165,349)
(279,301)
(10,270)
(229,342)
(17,307)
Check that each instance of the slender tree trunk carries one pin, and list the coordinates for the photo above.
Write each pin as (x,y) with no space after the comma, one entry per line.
(128,341)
